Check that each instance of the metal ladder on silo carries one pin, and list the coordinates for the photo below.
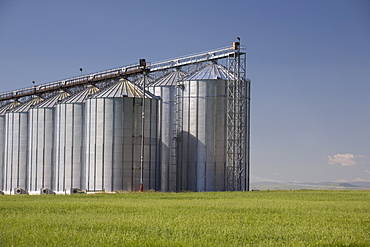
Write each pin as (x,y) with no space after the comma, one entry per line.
(177,128)
(237,144)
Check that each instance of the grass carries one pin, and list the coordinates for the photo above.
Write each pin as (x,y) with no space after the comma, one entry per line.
(263,218)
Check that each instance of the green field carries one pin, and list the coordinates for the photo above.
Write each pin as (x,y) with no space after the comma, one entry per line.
(259,218)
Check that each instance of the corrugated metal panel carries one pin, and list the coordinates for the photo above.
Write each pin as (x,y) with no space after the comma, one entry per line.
(170,79)
(148,80)
(8,107)
(51,102)
(166,89)
(113,139)
(41,143)
(69,151)
(3,110)
(16,145)
(2,150)
(123,88)
(167,121)
(26,106)
(212,71)
(16,149)
(203,141)
(80,97)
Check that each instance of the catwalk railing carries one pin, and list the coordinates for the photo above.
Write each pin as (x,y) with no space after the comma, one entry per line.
(73,82)
(125,71)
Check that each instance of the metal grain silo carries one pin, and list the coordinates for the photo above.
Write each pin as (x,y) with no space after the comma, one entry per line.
(166,88)
(16,146)
(140,81)
(69,129)
(3,110)
(41,143)
(203,138)
(113,139)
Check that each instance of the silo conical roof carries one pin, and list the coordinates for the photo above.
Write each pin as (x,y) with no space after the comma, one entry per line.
(140,81)
(170,79)
(9,106)
(81,96)
(26,106)
(51,102)
(123,88)
(212,71)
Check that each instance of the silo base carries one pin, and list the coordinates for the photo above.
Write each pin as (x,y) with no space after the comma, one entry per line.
(46,191)
(20,191)
(77,191)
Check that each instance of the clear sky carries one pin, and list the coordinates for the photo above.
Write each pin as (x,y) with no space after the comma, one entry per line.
(309,62)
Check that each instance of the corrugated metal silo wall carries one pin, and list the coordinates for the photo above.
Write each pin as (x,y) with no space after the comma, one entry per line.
(2,150)
(68,161)
(113,144)
(16,150)
(167,120)
(203,139)
(41,139)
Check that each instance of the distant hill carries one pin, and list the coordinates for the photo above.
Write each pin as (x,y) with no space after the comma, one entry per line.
(362,184)
(347,185)
(309,185)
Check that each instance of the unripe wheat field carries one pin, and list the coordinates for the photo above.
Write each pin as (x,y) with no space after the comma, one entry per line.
(258,218)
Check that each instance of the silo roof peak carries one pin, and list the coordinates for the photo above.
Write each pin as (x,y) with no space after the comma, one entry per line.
(81,96)
(170,79)
(213,71)
(122,88)
(9,106)
(26,106)
(51,102)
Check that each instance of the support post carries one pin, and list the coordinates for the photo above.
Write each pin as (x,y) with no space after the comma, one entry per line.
(237,157)
(141,188)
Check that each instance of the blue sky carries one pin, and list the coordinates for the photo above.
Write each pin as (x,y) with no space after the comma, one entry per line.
(309,62)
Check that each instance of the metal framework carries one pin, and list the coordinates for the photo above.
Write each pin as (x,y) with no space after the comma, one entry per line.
(238,97)
(126,71)
(192,59)
(238,103)
(73,82)
(175,170)
(237,160)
